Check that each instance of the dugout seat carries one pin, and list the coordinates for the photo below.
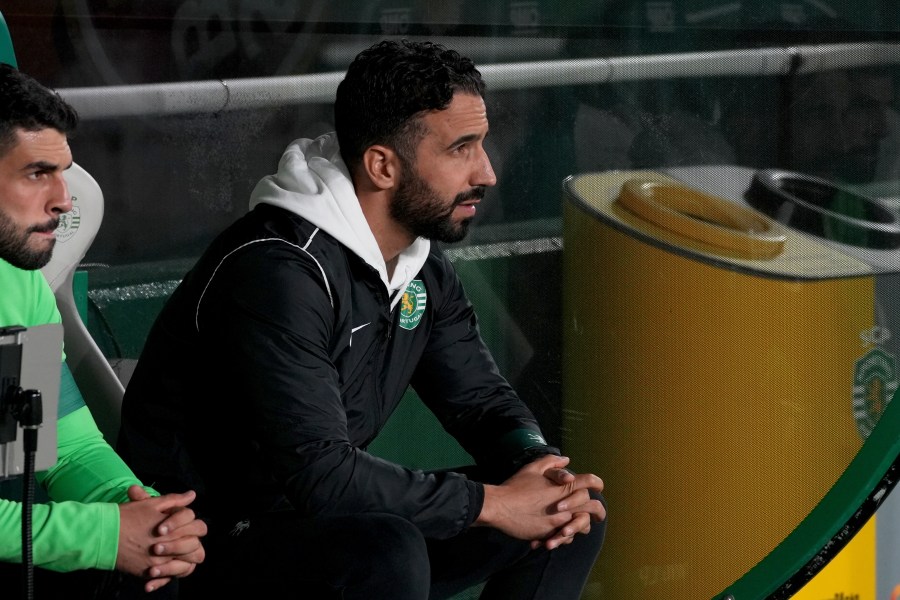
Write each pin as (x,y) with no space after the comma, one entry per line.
(7,55)
(101,388)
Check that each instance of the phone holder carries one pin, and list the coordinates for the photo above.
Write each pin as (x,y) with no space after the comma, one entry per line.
(30,367)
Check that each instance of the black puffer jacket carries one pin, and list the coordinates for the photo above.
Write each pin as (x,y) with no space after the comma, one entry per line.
(279,358)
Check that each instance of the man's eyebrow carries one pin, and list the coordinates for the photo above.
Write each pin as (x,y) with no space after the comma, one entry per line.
(43,165)
(471,137)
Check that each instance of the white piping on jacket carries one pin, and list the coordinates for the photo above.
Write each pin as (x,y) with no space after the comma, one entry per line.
(224,258)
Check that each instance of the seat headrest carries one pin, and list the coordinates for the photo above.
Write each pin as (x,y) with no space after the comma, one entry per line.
(77,228)
(7,54)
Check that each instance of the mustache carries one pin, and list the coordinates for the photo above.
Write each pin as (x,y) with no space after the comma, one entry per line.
(47,227)
(476,193)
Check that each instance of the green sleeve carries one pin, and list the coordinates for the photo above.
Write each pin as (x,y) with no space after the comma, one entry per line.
(67,535)
(80,529)
(87,469)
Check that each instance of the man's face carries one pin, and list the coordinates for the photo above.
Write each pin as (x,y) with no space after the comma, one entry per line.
(33,194)
(438,194)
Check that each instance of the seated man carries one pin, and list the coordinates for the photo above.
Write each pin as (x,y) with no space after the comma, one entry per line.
(101,518)
(284,351)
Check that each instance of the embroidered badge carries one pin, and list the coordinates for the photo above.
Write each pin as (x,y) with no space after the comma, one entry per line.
(874,384)
(412,304)
(69,222)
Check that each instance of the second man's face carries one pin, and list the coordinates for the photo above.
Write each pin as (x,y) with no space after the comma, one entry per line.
(33,194)
(439,199)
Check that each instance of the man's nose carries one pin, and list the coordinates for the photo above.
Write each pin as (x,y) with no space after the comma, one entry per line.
(484,173)
(60,199)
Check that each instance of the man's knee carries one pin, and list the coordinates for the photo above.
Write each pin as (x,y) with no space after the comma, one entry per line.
(390,538)
(396,559)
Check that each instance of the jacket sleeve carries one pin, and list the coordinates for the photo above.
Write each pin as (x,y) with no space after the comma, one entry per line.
(459,381)
(273,331)
(80,529)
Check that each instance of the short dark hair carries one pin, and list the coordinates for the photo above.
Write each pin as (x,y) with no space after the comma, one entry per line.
(387,88)
(26,104)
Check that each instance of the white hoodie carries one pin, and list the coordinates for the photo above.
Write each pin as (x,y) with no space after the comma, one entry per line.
(313,182)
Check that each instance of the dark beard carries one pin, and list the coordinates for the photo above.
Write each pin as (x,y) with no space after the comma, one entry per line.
(14,245)
(418,208)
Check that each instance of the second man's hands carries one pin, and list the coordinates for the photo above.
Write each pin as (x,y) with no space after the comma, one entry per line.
(159,538)
(543,503)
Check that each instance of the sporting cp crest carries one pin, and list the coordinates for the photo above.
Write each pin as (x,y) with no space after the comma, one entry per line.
(69,222)
(412,304)
(874,384)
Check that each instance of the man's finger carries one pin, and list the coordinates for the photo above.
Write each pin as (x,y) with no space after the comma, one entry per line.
(580,524)
(136,492)
(588,481)
(169,502)
(548,461)
(181,522)
(154,584)
(172,568)
(559,476)
(186,548)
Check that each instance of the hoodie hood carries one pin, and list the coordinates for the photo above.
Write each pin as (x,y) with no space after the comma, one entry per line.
(313,182)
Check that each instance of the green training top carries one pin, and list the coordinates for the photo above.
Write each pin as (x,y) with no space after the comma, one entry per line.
(79,528)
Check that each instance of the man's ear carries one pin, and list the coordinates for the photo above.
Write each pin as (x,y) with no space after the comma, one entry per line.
(381,166)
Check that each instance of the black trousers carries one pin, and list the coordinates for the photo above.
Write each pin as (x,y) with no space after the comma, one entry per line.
(381,556)
(90,584)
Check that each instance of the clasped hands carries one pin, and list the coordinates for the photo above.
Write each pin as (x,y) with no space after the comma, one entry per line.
(544,503)
(579,504)
(159,538)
